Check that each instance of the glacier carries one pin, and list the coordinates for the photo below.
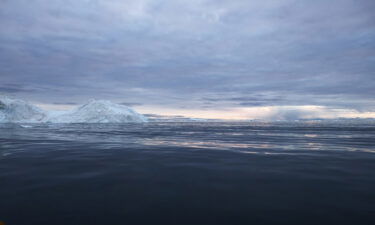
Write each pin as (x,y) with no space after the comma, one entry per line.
(95,111)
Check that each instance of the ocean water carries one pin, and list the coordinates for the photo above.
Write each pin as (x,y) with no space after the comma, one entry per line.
(187,174)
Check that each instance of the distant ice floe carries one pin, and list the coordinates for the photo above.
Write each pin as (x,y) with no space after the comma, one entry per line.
(95,111)
(177,118)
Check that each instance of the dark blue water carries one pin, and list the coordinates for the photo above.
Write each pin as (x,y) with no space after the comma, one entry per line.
(187,174)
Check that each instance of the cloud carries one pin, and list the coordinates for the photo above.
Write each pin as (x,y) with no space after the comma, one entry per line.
(130,103)
(65,103)
(200,54)
(9,88)
(294,114)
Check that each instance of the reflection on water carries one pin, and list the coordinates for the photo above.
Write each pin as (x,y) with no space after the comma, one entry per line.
(223,136)
(206,144)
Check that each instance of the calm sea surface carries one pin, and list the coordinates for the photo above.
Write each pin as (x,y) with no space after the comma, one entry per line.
(187,174)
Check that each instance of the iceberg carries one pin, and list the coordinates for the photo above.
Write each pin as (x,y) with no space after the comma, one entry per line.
(99,111)
(95,111)
(19,111)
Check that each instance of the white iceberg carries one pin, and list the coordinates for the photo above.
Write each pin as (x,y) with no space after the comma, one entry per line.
(95,111)
(99,111)
(19,111)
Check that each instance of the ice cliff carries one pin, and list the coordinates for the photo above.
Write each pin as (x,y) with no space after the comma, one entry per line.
(18,111)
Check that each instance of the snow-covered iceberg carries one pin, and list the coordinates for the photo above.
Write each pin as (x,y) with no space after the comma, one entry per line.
(99,111)
(19,111)
(95,111)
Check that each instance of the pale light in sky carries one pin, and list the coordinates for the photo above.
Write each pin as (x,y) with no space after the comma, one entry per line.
(264,59)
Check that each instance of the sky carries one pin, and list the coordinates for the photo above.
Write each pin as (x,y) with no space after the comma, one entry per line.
(228,59)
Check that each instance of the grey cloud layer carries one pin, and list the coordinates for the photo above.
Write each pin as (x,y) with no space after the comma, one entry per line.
(196,53)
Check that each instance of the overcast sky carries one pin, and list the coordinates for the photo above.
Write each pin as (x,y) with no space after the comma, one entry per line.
(221,58)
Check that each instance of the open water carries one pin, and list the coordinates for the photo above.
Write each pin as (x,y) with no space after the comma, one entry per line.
(187,174)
